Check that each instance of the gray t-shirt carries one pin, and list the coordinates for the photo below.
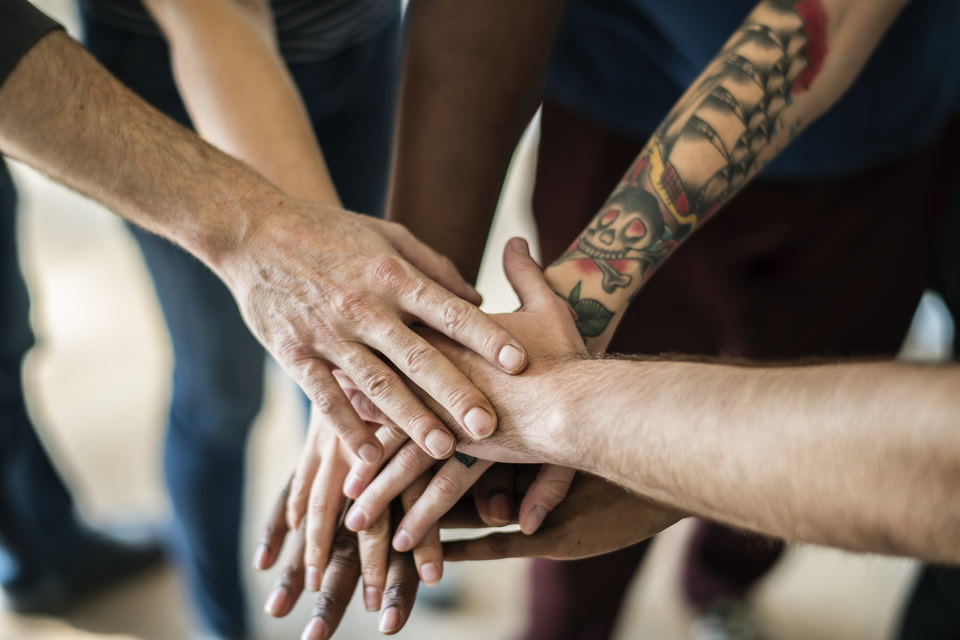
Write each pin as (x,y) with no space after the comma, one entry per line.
(307,30)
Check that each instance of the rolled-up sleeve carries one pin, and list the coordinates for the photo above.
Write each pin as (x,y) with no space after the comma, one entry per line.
(21,26)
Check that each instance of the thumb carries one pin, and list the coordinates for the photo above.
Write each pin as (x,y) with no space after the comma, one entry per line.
(525,275)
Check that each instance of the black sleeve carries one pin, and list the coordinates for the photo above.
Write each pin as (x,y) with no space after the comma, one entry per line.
(21,26)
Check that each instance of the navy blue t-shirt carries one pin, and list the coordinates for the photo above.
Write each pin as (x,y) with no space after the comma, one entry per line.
(624,63)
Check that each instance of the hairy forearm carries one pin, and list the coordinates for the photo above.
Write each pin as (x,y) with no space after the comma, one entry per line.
(63,114)
(788,63)
(239,92)
(471,81)
(860,456)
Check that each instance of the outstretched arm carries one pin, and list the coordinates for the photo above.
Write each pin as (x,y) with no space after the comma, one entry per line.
(319,286)
(787,64)
(861,456)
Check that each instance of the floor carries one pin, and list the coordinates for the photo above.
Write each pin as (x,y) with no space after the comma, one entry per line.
(98,384)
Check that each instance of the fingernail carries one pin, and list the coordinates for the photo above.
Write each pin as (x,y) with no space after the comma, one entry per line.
(430,574)
(479,422)
(277,601)
(260,557)
(313,579)
(316,630)
(371,598)
(520,245)
(353,486)
(402,541)
(369,453)
(499,508)
(534,519)
(439,443)
(356,519)
(389,619)
(510,358)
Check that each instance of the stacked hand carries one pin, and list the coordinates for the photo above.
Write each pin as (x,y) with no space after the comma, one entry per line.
(529,408)
(324,288)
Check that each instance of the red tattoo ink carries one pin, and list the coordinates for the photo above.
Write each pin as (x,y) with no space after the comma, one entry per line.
(815,20)
(587,267)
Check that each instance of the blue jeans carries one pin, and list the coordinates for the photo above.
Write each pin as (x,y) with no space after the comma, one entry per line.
(218,365)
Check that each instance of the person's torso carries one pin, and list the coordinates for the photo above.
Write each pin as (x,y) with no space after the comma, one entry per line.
(307,30)
(624,63)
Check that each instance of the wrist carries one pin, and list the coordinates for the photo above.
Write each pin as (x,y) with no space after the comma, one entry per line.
(573,421)
(234,209)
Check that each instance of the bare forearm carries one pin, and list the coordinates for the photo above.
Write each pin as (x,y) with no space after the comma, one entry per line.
(63,114)
(471,81)
(861,456)
(788,63)
(239,92)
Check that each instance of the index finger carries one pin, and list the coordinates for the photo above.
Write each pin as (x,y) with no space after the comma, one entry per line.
(466,324)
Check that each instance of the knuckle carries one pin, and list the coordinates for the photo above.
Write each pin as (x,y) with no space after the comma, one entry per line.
(389,272)
(454,314)
(292,350)
(320,507)
(445,487)
(411,460)
(462,395)
(351,305)
(327,601)
(379,383)
(418,358)
(397,592)
(290,577)
(371,570)
(345,552)
(324,403)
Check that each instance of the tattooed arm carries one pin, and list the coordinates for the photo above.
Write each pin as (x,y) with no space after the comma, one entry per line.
(863,456)
(787,64)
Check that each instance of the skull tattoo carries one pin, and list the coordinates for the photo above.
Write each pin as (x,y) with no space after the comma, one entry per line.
(629,227)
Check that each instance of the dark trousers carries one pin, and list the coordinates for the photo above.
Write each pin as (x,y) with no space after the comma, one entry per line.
(785,271)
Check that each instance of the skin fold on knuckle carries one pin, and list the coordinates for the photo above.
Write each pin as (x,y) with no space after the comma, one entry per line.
(399,592)
(410,461)
(372,572)
(417,359)
(291,577)
(321,507)
(345,553)
(390,273)
(454,314)
(444,489)
(352,305)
